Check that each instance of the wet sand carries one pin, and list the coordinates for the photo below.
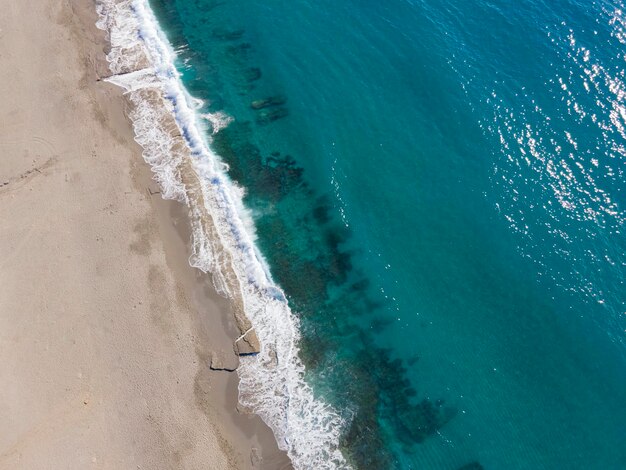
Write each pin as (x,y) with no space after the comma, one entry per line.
(106,333)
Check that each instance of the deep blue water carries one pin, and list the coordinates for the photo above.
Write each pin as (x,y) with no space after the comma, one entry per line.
(439,188)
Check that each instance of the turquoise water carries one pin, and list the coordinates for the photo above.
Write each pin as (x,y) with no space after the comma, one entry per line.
(438,187)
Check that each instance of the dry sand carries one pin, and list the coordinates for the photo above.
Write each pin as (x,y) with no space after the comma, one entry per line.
(105,331)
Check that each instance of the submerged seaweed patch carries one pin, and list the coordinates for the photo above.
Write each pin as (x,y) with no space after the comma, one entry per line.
(307,247)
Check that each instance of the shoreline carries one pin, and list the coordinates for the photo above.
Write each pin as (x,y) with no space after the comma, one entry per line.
(170,128)
(136,404)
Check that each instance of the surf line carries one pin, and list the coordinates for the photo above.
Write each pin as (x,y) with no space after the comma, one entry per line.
(176,145)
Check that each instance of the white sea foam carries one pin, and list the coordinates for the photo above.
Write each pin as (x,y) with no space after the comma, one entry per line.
(218,120)
(271,383)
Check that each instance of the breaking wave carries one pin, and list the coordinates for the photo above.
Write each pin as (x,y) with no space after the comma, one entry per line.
(175,138)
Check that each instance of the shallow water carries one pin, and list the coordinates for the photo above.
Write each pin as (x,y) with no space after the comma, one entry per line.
(438,187)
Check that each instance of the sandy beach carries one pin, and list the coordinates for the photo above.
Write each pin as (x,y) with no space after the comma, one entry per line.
(106,333)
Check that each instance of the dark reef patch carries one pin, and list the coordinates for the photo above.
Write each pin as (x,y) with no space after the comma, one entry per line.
(227,34)
(472,466)
(307,247)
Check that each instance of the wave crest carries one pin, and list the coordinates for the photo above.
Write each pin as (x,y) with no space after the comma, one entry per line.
(168,127)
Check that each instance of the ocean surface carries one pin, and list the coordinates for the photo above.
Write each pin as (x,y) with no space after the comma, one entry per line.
(437,186)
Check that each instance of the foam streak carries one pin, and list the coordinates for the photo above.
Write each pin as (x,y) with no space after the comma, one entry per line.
(164,115)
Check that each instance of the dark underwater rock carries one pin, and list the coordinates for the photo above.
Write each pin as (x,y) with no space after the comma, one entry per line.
(267,102)
(208,6)
(321,212)
(239,49)
(227,35)
(252,74)
(472,466)
(267,117)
